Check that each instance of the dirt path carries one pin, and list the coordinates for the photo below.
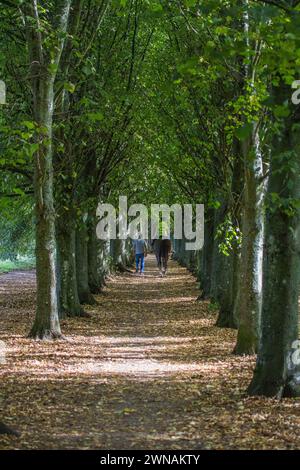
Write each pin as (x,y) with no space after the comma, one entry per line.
(148,371)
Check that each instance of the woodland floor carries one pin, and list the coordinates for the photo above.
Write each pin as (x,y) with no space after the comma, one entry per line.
(149,370)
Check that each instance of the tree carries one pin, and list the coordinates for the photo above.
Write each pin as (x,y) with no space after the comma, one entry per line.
(45,39)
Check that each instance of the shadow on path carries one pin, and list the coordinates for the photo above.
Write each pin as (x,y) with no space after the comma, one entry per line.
(149,370)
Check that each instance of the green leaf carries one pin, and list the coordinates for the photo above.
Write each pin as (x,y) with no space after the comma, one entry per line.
(70,87)
(156,7)
(18,191)
(243,132)
(281,111)
(190,3)
(29,124)
(52,68)
(94,117)
(33,148)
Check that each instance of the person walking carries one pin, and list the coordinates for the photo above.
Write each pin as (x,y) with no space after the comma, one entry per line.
(140,252)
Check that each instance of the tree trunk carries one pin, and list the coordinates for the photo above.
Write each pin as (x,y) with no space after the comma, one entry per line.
(95,281)
(46,324)
(236,268)
(198,264)
(69,299)
(277,371)
(249,297)
(82,270)
(222,275)
(225,296)
(206,268)
(118,254)
(104,260)
(227,314)
(217,264)
(237,188)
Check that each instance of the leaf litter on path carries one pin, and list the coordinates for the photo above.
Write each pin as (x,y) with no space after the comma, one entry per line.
(148,370)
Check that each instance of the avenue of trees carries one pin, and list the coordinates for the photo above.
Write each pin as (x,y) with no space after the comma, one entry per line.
(164,101)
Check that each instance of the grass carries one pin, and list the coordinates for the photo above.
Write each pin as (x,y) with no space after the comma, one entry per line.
(23,263)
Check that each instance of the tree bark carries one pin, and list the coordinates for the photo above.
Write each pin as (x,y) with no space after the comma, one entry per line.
(82,270)
(206,268)
(249,297)
(66,241)
(277,371)
(104,260)
(95,279)
(225,297)
(118,254)
(222,274)
(46,324)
